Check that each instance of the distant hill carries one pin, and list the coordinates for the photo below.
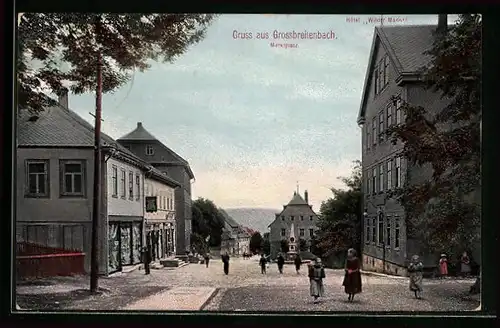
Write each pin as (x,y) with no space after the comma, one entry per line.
(254,218)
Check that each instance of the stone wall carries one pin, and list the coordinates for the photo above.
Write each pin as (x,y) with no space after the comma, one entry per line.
(374,264)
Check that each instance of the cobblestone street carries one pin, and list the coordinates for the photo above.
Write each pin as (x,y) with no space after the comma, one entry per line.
(246,289)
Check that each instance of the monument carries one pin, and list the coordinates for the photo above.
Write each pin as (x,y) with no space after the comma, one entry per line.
(292,244)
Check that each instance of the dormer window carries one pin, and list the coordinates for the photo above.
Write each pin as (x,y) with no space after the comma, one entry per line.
(150,150)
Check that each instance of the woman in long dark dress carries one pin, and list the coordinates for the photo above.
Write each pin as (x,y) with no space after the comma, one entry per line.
(352,278)
(298,263)
(281,262)
(225,260)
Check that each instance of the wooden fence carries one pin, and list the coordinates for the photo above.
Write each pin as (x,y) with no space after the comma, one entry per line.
(36,261)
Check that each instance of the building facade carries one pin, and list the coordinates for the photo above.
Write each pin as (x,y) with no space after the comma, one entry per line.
(160,225)
(297,214)
(235,240)
(391,80)
(125,211)
(55,178)
(150,149)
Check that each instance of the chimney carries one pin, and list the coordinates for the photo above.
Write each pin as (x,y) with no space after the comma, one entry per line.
(306,196)
(63,98)
(139,124)
(442,23)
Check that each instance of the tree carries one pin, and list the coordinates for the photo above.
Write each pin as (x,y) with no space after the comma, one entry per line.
(256,243)
(303,245)
(340,216)
(58,48)
(207,220)
(285,247)
(315,249)
(444,211)
(198,243)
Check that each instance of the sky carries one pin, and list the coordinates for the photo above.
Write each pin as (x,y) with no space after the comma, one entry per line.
(252,119)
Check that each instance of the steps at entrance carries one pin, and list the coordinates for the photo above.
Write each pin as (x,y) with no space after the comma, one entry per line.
(173,263)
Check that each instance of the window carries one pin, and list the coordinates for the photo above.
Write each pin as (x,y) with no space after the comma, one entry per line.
(282,218)
(368,189)
(377,90)
(381,76)
(381,177)
(171,203)
(302,232)
(374,131)
(374,230)
(138,187)
(398,183)
(301,218)
(123,186)
(283,232)
(389,174)
(396,232)
(398,110)
(374,180)
(291,218)
(114,178)
(311,218)
(380,229)
(389,114)
(381,126)
(388,232)
(368,230)
(127,147)
(37,174)
(368,140)
(73,177)
(168,203)
(311,233)
(131,185)
(386,70)
(150,150)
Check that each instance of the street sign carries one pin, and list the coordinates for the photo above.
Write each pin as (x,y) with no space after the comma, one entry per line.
(151,204)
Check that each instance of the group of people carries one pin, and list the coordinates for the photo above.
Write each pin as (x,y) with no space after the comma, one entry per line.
(352,277)
(465,265)
(316,274)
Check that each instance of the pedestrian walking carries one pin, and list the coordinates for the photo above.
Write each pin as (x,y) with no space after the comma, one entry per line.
(225,260)
(298,263)
(263,263)
(352,277)
(465,267)
(281,262)
(416,273)
(146,258)
(207,259)
(316,276)
(443,266)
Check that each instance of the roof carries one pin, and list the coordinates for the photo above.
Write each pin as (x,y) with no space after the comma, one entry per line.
(229,220)
(297,200)
(61,127)
(140,133)
(406,46)
(158,175)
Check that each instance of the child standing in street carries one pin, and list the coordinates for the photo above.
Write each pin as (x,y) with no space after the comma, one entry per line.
(416,273)
(443,266)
